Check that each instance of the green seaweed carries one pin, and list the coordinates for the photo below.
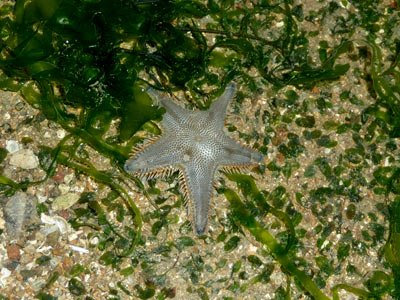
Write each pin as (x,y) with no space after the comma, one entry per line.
(392,246)
(276,249)
(385,85)
(76,287)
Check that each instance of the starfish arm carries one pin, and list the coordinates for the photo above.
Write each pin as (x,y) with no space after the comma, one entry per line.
(161,154)
(236,154)
(199,179)
(219,107)
(173,110)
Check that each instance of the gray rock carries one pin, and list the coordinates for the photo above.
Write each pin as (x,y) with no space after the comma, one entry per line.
(19,211)
(24,159)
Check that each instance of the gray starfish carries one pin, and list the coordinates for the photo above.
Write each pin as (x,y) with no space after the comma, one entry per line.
(193,142)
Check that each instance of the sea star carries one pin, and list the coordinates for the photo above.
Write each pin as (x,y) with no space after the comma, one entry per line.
(195,143)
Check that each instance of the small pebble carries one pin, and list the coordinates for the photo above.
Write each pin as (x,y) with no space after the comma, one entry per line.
(13,146)
(64,189)
(13,252)
(59,175)
(55,222)
(24,159)
(4,274)
(38,284)
(68,178)
(26,274)
(61,133)
(65,201)
(18,212)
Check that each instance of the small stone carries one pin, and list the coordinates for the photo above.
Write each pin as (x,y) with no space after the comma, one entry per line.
(41,198)
(11,264)
(65,201)
(64,213)
(26,274)
(26,259)
(4,274)
(19,211)
(67,263)
(64,189)
(68,178)
(280,158)
(13,252)
(13,146)
(94,241)
(24,159)
(52,238)
(18,277)
(61,133)
(40,237)
(59,175)
(55,222)
(30,249)
(2,224)
(7,128)
(58,251)
(38,284)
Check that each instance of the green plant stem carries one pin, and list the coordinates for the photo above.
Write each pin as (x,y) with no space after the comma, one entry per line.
(7,181)
(96,143)
(239,35)
(381,85)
